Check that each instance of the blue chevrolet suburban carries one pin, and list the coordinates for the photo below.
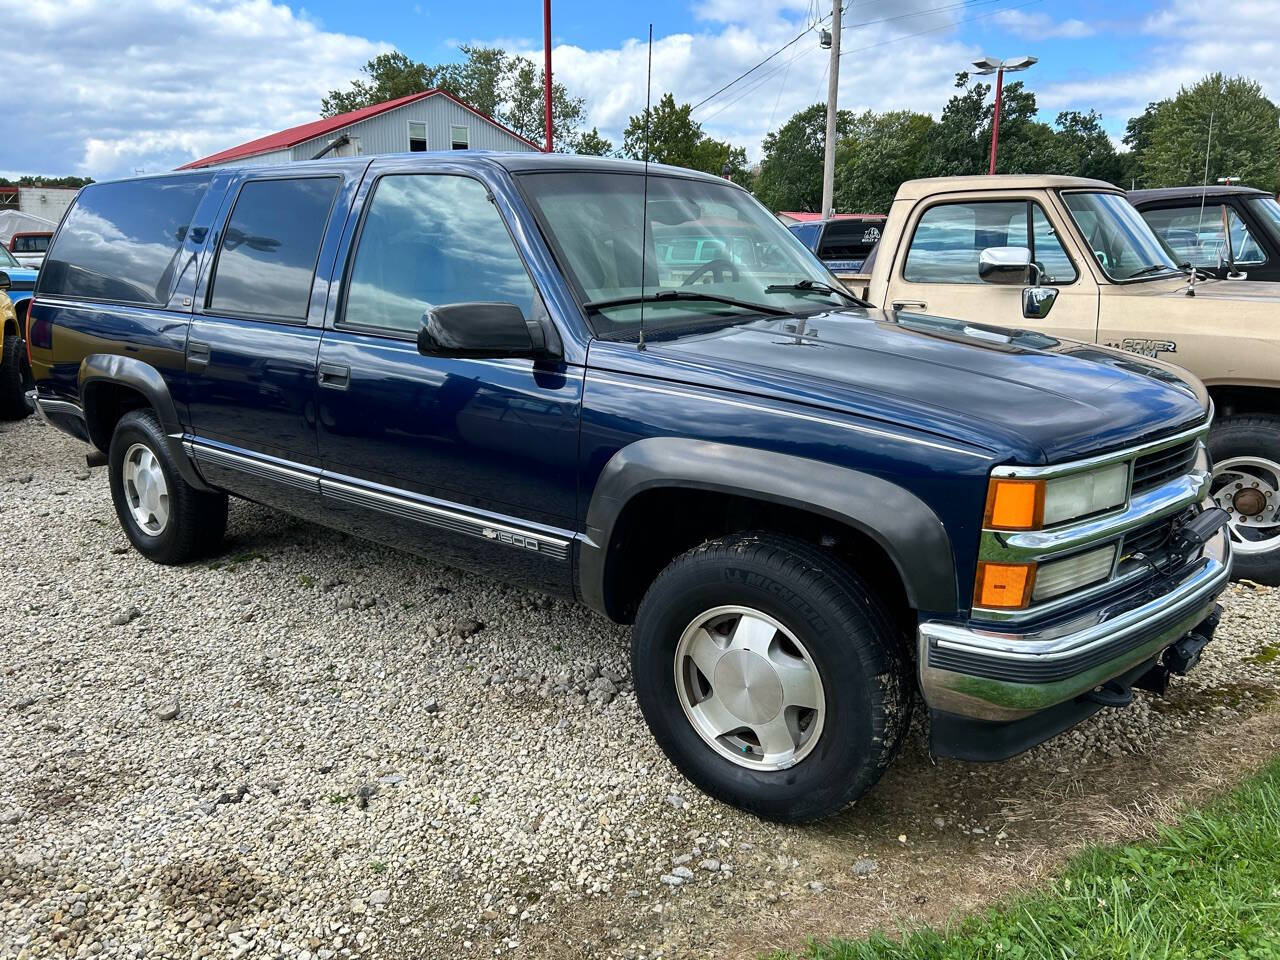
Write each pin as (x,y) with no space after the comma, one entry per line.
(809,510)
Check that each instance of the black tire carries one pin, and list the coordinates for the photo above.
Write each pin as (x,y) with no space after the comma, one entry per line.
(847,632)
(15,380)
(1250,435)
(197,520)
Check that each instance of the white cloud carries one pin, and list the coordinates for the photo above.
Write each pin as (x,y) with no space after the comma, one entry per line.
(1191,40)
(1041,26)
(106,88)
(904,60)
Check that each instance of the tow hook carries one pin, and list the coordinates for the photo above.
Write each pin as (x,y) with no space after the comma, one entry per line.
(1182,657)
(1113,693)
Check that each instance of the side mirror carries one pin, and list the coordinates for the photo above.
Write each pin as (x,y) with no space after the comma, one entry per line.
(5,282)
(1038,301)
(480,330)
(1009,265)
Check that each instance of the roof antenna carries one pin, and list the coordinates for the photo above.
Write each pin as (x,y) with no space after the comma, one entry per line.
(644,211)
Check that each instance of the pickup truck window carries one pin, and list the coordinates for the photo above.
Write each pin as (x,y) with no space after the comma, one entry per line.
(120,241)
(31,243)
(1196,235)
(739,249)
(267,259)
(430,240)
(1119,238)
(950,237)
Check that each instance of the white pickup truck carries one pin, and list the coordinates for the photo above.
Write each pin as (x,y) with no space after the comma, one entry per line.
(1071,258)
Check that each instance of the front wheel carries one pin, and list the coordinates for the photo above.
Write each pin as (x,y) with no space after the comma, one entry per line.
(15,379)
(771,676)
(1246,483)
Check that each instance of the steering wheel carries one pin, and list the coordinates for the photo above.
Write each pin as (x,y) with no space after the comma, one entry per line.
(720,265)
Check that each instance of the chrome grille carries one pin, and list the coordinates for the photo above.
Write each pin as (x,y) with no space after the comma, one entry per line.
(1153,469)
(1147,538)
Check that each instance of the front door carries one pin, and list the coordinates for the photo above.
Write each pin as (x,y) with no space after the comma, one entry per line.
(251,352)
(939,272)
(472,460)
(1199,233)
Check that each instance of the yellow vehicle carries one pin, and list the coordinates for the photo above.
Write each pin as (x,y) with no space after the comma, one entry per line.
(14,376)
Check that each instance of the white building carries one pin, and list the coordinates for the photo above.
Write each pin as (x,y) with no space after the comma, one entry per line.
(432,120)
(47,203)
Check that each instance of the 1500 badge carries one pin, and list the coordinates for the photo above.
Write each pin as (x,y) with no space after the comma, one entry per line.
(1146,348)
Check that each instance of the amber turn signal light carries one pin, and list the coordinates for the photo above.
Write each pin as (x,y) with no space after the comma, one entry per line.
(1004,586)
(1014,504)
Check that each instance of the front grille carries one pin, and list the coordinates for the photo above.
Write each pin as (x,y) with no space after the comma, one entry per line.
(1154,469)
(1148,538)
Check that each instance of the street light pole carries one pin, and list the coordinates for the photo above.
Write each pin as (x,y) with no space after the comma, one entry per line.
(833,89)
(546,72)
(989,65)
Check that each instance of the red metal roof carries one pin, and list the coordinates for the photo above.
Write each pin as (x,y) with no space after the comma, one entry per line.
(318,128)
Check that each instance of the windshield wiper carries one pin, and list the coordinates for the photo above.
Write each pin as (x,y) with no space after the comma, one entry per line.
(1151,269)
(664,296)
(815,286)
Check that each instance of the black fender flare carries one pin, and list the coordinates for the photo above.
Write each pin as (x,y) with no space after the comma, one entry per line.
(900,522)
(106,368)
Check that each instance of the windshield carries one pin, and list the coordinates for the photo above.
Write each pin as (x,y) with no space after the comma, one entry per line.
(6,259)
(703,238)
(1268,210)
(1121,241)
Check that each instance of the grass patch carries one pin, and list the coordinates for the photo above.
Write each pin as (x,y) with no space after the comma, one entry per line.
(1267,654)
(1207,888)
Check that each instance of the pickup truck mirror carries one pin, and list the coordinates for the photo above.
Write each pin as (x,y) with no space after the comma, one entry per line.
(480,330)
(1038,301)
(1011,265)
(5,282)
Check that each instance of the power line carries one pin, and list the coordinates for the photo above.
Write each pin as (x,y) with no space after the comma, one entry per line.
(945,26)
(793,40)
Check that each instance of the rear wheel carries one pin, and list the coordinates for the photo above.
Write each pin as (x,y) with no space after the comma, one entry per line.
(771,676)
(166,519)
(1246,483)
(15,380)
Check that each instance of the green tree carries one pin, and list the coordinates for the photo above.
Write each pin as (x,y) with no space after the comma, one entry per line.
(882,151)
(39,181)
(1245,142)
(592,144)
(1085,150)
(791,163)
(505,87)
(676,138)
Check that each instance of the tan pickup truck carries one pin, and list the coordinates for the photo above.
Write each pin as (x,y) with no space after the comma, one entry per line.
(1071,258)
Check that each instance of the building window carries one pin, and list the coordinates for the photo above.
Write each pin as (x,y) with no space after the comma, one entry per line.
(417,136)
(460,138)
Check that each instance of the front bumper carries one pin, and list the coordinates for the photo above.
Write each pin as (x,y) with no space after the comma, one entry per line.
(1007,675)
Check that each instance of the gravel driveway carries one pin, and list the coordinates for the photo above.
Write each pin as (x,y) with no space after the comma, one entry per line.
(314,747)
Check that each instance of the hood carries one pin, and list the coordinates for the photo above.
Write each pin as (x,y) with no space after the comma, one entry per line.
(1262,290)
(1028,397)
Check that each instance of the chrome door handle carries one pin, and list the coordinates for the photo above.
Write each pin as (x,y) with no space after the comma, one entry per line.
(909,305)
(198,355)
(335,376)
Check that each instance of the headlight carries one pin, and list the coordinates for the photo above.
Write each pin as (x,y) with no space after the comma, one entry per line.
(1014,503)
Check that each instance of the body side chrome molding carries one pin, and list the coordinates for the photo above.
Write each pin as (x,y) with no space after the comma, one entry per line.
(792,414)
(445,515)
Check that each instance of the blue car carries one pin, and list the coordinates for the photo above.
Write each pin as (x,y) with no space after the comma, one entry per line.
(15,377)
(810,510)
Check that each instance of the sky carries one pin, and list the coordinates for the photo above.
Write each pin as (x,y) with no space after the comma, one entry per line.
(108,88)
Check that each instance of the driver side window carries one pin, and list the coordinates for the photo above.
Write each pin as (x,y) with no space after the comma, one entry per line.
(950,238)
(430,240)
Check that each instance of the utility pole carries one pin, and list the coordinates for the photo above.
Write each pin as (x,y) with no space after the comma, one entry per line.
(546,72)
(833,89)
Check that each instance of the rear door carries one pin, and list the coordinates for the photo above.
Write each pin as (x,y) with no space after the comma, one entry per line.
(938,273)
(251,353)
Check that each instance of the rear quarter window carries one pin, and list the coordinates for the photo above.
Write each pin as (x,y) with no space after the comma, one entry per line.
(120,241)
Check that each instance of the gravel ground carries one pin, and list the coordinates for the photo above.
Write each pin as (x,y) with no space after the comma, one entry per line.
(315,747)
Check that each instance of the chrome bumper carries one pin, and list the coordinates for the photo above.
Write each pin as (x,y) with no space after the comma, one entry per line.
(1004,675)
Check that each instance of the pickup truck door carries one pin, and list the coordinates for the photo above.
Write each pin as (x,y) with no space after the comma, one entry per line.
(255,333)
(935,269)
(470,460)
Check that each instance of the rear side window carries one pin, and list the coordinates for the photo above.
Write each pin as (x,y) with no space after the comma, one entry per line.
(267,257)
(121,241)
